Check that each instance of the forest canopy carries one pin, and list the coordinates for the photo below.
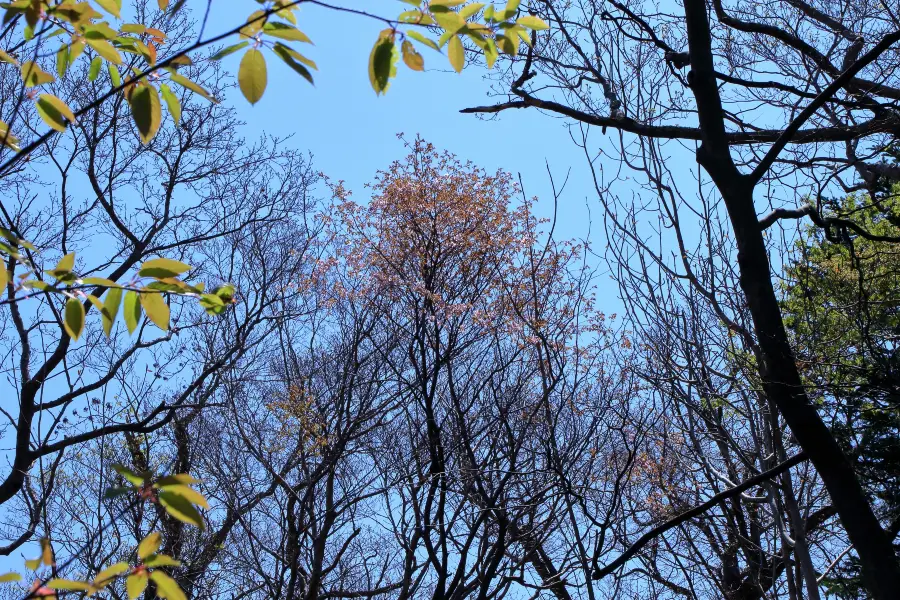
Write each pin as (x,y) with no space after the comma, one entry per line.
(231,375)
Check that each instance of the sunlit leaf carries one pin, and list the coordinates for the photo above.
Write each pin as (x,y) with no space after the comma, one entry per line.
(74,318)
(179,507)
(129,475)
(156,309)
(171,101)
(285,32)
(132,310)
(383,62)
(535,23)
(136,584)
(177,479)
(229,50)
(166,587)
(114,75)
(450,22)
(113,7)
(4,57)
(110,572)
(146,111)
(188,493)
(470,9)
(8,577)
(456,53)
(422,39)
(163,267)
(149,545)
(190,85)
(161,560)
(54,112)
(94,69)
(68,584)
(106,50)
(287,55)
(411,56)
(111,309)
(252,77)
(47,557)
(33,75)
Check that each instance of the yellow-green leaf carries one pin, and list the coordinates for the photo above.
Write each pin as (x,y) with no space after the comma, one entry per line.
(411,56)
(180,507)
(177,479)
(287,55)
(252,77)
(114,75)
(285,32)
(470,9)
(111,309)
(456,53)
(531,22)
(383,62)
(105,576)
(74,318)
(33,75)
(132,317)
(172,102)
(136,584)
(161,268)
(4,57)
(424,40)
(146,111)
(113,7)
(66,263)
(229,50)
(188,493)
(4,278)
(54,112)
(68,584)
(166,587)
(106,50)
(149,545)
(94,69)
(188,84)
(450,22)
(8,577)
(161,560)
(156,309)
(47,553)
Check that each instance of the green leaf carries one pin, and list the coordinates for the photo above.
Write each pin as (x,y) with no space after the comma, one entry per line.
(113,7)
(54,112)
(423,40)
(4,278)
(111,309)
(383,62)
(161,268)
(105,576)
(229,50)
(129,475)
(68,584)
(456,53)
(490,53)
(4,57)
(105,49)
(133,28)
(149,545)
(66,263)
(136,584)
(470,9)
(33,75)
(285,32)
(187,83)
(161,560)
(166,587)
(32,564)
(179,507)
(74,318)
(510,11)
(411,56)
(286,55)
(171,101)
(156,309)
(9,577)
(252,75)
(146,111)
(450,22)
(177,479)
(114,76)
(94,70)
(62,60)
(188,493)
(535,23)
(132,314)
